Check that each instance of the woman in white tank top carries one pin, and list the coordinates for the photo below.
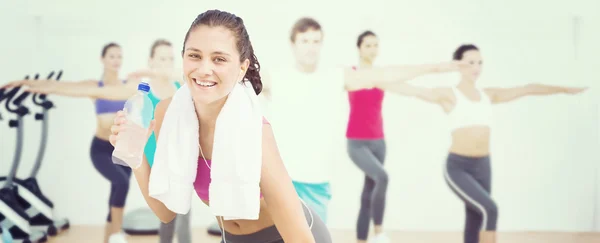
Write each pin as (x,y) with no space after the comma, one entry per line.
(467,171)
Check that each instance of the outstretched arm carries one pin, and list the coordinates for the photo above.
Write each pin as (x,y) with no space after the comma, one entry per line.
(502,95)
(381,77)
(431,95)
(34,84)
(86,88)
(151,74)
(284,205)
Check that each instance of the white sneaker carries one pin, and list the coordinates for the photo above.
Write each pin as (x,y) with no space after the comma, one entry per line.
(380,238)
(117,238)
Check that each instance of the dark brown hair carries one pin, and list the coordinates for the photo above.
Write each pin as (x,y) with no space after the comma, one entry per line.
(216,18)
(303,25)
(362,36)
(108,46)
(156,44)
(460,51)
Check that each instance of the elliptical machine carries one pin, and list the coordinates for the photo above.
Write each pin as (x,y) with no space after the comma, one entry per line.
(13,218)
(37,206)
(4,233)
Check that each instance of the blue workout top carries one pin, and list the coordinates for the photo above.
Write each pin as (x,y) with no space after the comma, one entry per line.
(108,106)
(150,148)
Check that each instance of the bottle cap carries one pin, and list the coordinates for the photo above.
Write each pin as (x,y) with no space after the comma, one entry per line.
(143,86)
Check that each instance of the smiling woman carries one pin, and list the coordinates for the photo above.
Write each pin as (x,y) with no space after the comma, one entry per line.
(217,56)
(219,38)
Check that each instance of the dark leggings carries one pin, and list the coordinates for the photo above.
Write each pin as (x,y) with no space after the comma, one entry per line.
(369,155)
(470,178)
(271,235)
(101,153)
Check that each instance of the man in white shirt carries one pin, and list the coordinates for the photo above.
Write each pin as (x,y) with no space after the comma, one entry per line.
(303,102)
(306,108)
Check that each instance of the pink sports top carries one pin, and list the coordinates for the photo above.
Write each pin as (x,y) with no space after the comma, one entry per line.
(203,176)
(365,121)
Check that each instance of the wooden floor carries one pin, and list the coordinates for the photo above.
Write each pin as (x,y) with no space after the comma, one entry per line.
(93,234)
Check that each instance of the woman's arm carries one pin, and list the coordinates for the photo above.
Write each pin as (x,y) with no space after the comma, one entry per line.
(142,174)
(151,74)
(89,89)
(86,88)
(431,95)
(32,84)
(502,95)
(279,193)
(381,77)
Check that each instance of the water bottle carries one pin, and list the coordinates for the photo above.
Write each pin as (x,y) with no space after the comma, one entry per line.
(129,149)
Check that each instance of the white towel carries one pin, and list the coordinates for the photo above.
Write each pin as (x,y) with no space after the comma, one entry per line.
(236,157)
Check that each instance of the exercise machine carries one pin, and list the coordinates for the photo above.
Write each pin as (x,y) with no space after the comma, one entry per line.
(13,219)
(4,233)
(141,221)
(37,206)
(1,98)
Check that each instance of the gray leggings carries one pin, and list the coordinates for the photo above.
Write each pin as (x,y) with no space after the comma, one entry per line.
(369,155)
(181,224)
(271,235)
(470,178)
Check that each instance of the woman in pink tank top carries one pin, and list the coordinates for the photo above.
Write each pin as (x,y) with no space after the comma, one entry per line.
(217,54)
(366,144)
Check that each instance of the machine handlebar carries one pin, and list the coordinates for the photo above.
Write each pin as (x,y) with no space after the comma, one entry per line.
(40,99)
(20,110)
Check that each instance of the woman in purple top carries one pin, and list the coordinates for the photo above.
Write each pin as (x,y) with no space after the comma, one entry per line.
(108,95)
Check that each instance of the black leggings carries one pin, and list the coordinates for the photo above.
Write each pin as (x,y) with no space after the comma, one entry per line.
(369,155)
(101,153)
(470,178)
(271,235)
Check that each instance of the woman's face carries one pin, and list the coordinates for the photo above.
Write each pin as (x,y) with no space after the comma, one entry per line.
(369,48)
(473,70)
(162,61)
(211,63)
(113,59)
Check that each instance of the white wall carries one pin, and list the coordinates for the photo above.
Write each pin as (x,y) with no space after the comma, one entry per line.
(544,167)
(17,46)
(589,53)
